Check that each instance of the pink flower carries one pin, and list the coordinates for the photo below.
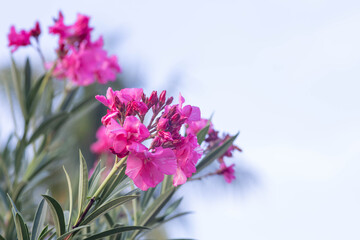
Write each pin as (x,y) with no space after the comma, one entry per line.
(35,31)
(191,113)
(103,142)
(132,132)
(227,172)
(125,102)
(88,63)
(147,169)
(187,154)
(195,126)
(18,39)
(72,34)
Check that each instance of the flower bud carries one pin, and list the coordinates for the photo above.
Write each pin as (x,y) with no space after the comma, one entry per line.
(153,99)
(162,97)
(169,101)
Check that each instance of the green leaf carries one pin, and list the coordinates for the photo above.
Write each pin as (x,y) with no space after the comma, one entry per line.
(155,207)
(33,98)
(215,154)
(83,184)
(202,133)
(27,77)
(2,238)
(57,214)
(146,197)
(70,197)
(107,207)
(17,83)
(162,221)
(47,124)
(113,183)
(68,99)
(38,220)
(21,228)
(172,207)
(24,232)
(115,231)
(82,104)
(71,231)
(95,173)
(45,232)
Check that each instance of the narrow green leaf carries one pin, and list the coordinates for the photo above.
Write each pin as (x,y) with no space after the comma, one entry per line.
(82,104)
(115,231)
(2,238)
(70,197)
(18,88)
(38,220)
(109,219)
(48,124)
(202,133)
(45,232)
(215,154)
(71,231)
(33,97)
(57,214)
(146,197)
(113,183)
(155,207)
(107,207)
(23,228)
(83,184)
(14,213)
(95,173)
(68,99)
(172,207)
(27,77)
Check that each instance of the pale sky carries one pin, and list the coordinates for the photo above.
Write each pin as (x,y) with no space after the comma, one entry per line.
(284,73)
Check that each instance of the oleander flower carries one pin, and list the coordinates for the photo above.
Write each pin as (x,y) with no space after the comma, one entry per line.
(147,168)
(87,64)
(132,131)
(18,39)
(227,172)
(187,153)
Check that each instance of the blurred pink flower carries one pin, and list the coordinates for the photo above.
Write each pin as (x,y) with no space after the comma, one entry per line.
(18,39)
(72,34)
(227,172)
(35,31)
(103,142)
(87,64)
(146,168)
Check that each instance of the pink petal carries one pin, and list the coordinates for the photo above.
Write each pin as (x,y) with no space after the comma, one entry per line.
(179,177)
(165,160)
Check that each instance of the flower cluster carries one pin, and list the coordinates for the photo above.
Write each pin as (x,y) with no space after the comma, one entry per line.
(79,59)
(22,38)
(154,150)
(213,140)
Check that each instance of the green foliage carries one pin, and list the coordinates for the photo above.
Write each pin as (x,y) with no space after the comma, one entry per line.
(57,215)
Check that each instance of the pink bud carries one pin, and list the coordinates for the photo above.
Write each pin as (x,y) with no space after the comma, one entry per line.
(153,99)
(169,101)
(162,97)
(36,31)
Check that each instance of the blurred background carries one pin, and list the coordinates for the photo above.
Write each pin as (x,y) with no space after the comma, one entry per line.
(283,73)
